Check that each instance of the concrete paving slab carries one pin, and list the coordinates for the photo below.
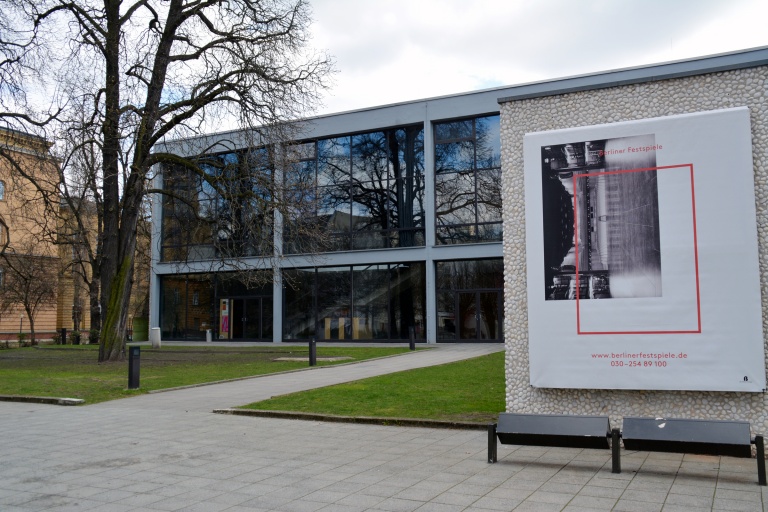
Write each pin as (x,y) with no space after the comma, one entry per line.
(167,451)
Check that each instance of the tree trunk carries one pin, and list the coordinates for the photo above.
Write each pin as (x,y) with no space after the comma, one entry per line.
(95,307)
(31,318)
(112,344)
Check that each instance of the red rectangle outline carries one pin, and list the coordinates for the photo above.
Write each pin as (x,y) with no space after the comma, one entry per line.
(695,249)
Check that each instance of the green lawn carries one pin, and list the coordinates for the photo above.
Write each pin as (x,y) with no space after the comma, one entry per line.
(73,372)
(471,390)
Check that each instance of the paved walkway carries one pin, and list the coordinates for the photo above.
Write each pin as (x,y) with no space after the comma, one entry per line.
(166,451)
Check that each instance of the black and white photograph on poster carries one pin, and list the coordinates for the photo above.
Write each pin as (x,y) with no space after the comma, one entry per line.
(641,255)
(601,219)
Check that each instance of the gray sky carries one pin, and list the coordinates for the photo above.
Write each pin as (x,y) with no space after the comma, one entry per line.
(399,50)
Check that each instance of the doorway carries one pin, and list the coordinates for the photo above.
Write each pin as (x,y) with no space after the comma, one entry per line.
(251,319)
(479,315)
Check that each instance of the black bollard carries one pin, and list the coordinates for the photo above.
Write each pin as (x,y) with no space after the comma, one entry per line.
(411,337)
(63,339)
(615,451)
(134,354)
(312,352)
(492,446)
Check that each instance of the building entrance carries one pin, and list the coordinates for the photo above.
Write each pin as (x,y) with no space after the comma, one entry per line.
(470,300)
(478,314)
(251,319)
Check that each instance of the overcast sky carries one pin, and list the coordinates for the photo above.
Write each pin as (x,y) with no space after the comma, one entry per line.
(388,51)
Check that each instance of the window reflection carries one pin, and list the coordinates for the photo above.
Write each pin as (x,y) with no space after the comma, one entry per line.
(223,210)
(370,191)
(470,300)
(333,161)
(370,302)
(468,181)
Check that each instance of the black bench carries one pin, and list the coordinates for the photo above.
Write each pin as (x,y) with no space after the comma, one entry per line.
(705,437)
(568,431)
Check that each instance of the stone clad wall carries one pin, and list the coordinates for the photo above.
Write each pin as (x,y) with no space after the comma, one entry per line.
(748,87)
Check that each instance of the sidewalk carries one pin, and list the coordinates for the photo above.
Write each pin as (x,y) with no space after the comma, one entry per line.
(166,451)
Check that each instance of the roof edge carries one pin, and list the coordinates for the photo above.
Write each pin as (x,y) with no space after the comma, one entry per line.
(741,59)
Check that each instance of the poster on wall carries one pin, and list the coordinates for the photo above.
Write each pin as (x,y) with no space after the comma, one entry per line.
(642,259)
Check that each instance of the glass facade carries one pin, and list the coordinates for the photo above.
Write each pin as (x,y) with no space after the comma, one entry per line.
(470,304)
(187,307)
(361,302)
(311,204)
(193,303)
(369,191)
(468,181)
(223,211)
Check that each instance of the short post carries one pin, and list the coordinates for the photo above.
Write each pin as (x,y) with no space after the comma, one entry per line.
(760,455)
(63,339)
(615,451)
(154,337)
(492,443)
(134,355)
(411,338)
(312,352)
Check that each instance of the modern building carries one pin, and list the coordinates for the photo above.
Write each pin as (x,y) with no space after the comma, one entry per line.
(409,198)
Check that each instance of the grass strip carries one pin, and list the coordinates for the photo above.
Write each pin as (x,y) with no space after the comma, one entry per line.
(467,391)
(74,371)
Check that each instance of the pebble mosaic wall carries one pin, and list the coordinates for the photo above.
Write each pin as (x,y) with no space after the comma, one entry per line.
(747,87)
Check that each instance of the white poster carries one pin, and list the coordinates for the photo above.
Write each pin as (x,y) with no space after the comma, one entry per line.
(642,255)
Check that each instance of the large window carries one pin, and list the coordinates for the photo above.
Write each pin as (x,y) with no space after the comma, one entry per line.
(181,316)
(470,304)
(191,304)
(365,302)
(369,191)
(225,210)
(468,181)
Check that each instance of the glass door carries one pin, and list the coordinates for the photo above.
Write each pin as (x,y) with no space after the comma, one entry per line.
(478,314)
(251,319)
(468,316)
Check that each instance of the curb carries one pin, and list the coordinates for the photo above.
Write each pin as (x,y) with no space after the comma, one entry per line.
(52,400)
(399,422)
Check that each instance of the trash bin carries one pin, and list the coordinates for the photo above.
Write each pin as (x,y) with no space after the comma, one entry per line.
(208,335)
(154,337)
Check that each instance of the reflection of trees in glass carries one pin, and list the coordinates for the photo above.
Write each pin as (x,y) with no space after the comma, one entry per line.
(468,180)
(370,190)
(470,299)
(222,209)
(189,305)
(358,302)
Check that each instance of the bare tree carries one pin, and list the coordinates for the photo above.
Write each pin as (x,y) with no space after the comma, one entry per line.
(131,76)
(29,282)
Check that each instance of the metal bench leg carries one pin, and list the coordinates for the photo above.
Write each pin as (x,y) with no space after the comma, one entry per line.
(491,443)
(760,449)
(615,451)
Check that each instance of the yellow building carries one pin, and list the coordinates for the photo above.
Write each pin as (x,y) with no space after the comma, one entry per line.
(46,266)
(30,267)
